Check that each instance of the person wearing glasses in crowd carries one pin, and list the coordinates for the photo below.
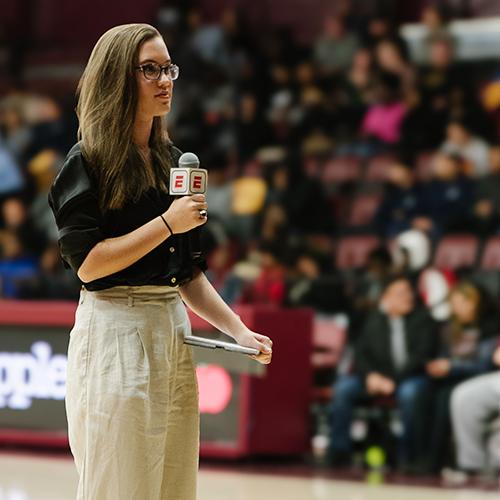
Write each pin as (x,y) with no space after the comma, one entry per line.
(131,389)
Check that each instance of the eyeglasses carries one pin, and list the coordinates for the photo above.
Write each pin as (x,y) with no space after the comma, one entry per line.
(152,71)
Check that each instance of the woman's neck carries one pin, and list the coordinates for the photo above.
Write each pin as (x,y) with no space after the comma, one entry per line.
(142,132)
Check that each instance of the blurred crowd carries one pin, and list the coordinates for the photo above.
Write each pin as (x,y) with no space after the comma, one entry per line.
(286,132)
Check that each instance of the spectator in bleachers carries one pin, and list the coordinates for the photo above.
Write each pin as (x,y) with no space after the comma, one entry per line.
(381,126)
(447,199)
(236,40)
(438,78)
(486,219)
(11,177)
(16,218)
(461,141)
(474,405)
(365,291)
(218,114)
(402,201)
(15,264)
(435,19)
(16,133)
(275,225)
(438,82)
(50,129)
(314,113)
(411,252)
(6,54)
(189,129)
(51,280)
(305,73)
(247,202)
(303,199)
(260,278)
(20,246)
(222,260)
(219,190)
(355,88)
(390,58)
(335,48)
(43,169)
(379,28)
(397,340)
(281,105)
(312,283)
(252,129)
(466,345)
(417,128)
(216,234)
(269,287)
(207,41)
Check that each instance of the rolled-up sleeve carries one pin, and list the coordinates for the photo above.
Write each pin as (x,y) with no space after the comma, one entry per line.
(76,210)
(79,232)
(201,263)
(198,257)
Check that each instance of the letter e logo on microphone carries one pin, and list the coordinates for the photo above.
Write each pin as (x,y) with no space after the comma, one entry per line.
(179,181)
(198,180)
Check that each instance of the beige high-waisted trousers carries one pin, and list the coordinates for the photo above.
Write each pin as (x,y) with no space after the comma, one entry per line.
(132,396)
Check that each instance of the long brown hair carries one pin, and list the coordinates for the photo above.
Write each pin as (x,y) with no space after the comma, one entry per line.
(107,101)
(472,294)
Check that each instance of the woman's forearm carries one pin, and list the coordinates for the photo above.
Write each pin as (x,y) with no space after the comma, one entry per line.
(203,299)
(114,254)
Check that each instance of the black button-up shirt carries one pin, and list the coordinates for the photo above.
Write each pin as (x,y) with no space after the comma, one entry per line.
(74,202)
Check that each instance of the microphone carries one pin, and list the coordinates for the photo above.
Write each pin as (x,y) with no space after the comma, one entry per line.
(187,179)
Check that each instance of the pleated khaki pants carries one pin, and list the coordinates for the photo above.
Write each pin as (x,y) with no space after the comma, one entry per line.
(132,396)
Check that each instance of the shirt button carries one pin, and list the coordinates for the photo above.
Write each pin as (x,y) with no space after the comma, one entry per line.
(173,280)
(172,249)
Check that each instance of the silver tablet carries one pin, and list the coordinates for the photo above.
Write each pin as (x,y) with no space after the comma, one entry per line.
(214,344)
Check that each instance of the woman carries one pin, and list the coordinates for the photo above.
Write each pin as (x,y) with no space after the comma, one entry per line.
(467,342)
(132,398)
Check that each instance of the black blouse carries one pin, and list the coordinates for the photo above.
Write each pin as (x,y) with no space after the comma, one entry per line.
(73,200)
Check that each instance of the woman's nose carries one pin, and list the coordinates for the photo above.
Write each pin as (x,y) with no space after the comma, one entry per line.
(165,78)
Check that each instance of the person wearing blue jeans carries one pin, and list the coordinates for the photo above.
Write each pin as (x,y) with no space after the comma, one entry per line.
(397,340)
(410,396)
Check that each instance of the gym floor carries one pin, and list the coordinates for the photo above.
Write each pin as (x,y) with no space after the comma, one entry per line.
(28,476)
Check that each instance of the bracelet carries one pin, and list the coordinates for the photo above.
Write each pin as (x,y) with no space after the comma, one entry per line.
(166,224)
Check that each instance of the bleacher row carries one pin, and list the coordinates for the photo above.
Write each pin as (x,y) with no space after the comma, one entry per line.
(354,184)
(453,251)
(349,168)
(357,185)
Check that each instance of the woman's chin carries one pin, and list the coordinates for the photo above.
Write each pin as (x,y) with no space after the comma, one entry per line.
(163,110)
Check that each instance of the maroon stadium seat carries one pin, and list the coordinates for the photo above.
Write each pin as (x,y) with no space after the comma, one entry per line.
(341,170)
(363,209)
(456,251)
(252,168)
(329,338)
(311,167)
(378,167)
(352,251)
(491,254)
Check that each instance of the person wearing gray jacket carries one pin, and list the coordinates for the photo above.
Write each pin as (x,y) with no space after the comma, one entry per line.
(474,403)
